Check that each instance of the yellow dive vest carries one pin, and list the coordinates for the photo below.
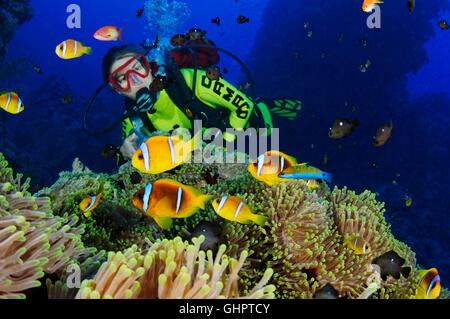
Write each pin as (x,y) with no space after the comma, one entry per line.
(213,93)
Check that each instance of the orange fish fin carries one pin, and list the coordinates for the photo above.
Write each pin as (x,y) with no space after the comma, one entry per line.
(260,220)
(164,205)
(120,34)
(170,181)
(164,222)
(291,160)
(202,199)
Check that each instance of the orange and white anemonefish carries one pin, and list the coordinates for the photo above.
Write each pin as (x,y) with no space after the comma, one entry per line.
(357,244)
(108,33)
(71,49)
(162,153)
(234,209)
(269,165)
(312,184)
(368,5)
(165,199)
(89,203)
(11,102)
(429,286)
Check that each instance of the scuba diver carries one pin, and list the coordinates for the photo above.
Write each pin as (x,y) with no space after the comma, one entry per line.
(186,92)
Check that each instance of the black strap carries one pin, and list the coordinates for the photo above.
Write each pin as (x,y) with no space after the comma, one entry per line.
(142,115)
(180,93)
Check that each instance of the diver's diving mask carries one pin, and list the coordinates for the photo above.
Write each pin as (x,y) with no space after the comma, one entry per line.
(140,69)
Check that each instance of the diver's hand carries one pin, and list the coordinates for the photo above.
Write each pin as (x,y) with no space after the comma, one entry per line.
(129,146)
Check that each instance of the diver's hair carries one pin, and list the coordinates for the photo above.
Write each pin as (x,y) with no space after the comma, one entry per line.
(117,52)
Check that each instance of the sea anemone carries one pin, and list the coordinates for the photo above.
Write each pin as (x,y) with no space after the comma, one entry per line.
(172,269)
(32,240)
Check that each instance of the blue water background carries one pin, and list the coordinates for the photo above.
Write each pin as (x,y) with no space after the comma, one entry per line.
(408,82)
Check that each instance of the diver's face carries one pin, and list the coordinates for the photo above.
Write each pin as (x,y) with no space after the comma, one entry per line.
(136,82)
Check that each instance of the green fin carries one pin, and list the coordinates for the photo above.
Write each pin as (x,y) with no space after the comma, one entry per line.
(284,107)
(87,50)
(164,222)
(260,220)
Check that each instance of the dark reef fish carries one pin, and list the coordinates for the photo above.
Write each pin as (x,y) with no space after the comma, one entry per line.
(139,13)
(38,69)
(390,264)
(159,83)
(211,231)
(195,34)
(67,99)
(383,133)
(327,292)
(242,19)
(363,42)
(213,73)
(216,21)
(342,127)
(110,151)
(443,25)
(411,4)
(178,39)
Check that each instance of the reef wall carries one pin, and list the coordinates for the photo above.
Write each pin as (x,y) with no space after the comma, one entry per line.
(12,14)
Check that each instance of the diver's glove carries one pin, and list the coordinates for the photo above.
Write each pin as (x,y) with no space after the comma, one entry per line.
(145,99)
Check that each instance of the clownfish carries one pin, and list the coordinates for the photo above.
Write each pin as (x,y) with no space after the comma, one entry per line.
(269,165)
(71,49)
(234,209)
(165,199)
(89,203)
(305,171)
(429,286)
(357,244)
(11,102)
(368,5)
(162,153)
(312,184)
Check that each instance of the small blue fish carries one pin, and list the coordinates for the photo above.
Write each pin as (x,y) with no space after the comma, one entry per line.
(305,171)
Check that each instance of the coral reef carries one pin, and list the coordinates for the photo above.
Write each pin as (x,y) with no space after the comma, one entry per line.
(12,14)
(33,241)
(300,250)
